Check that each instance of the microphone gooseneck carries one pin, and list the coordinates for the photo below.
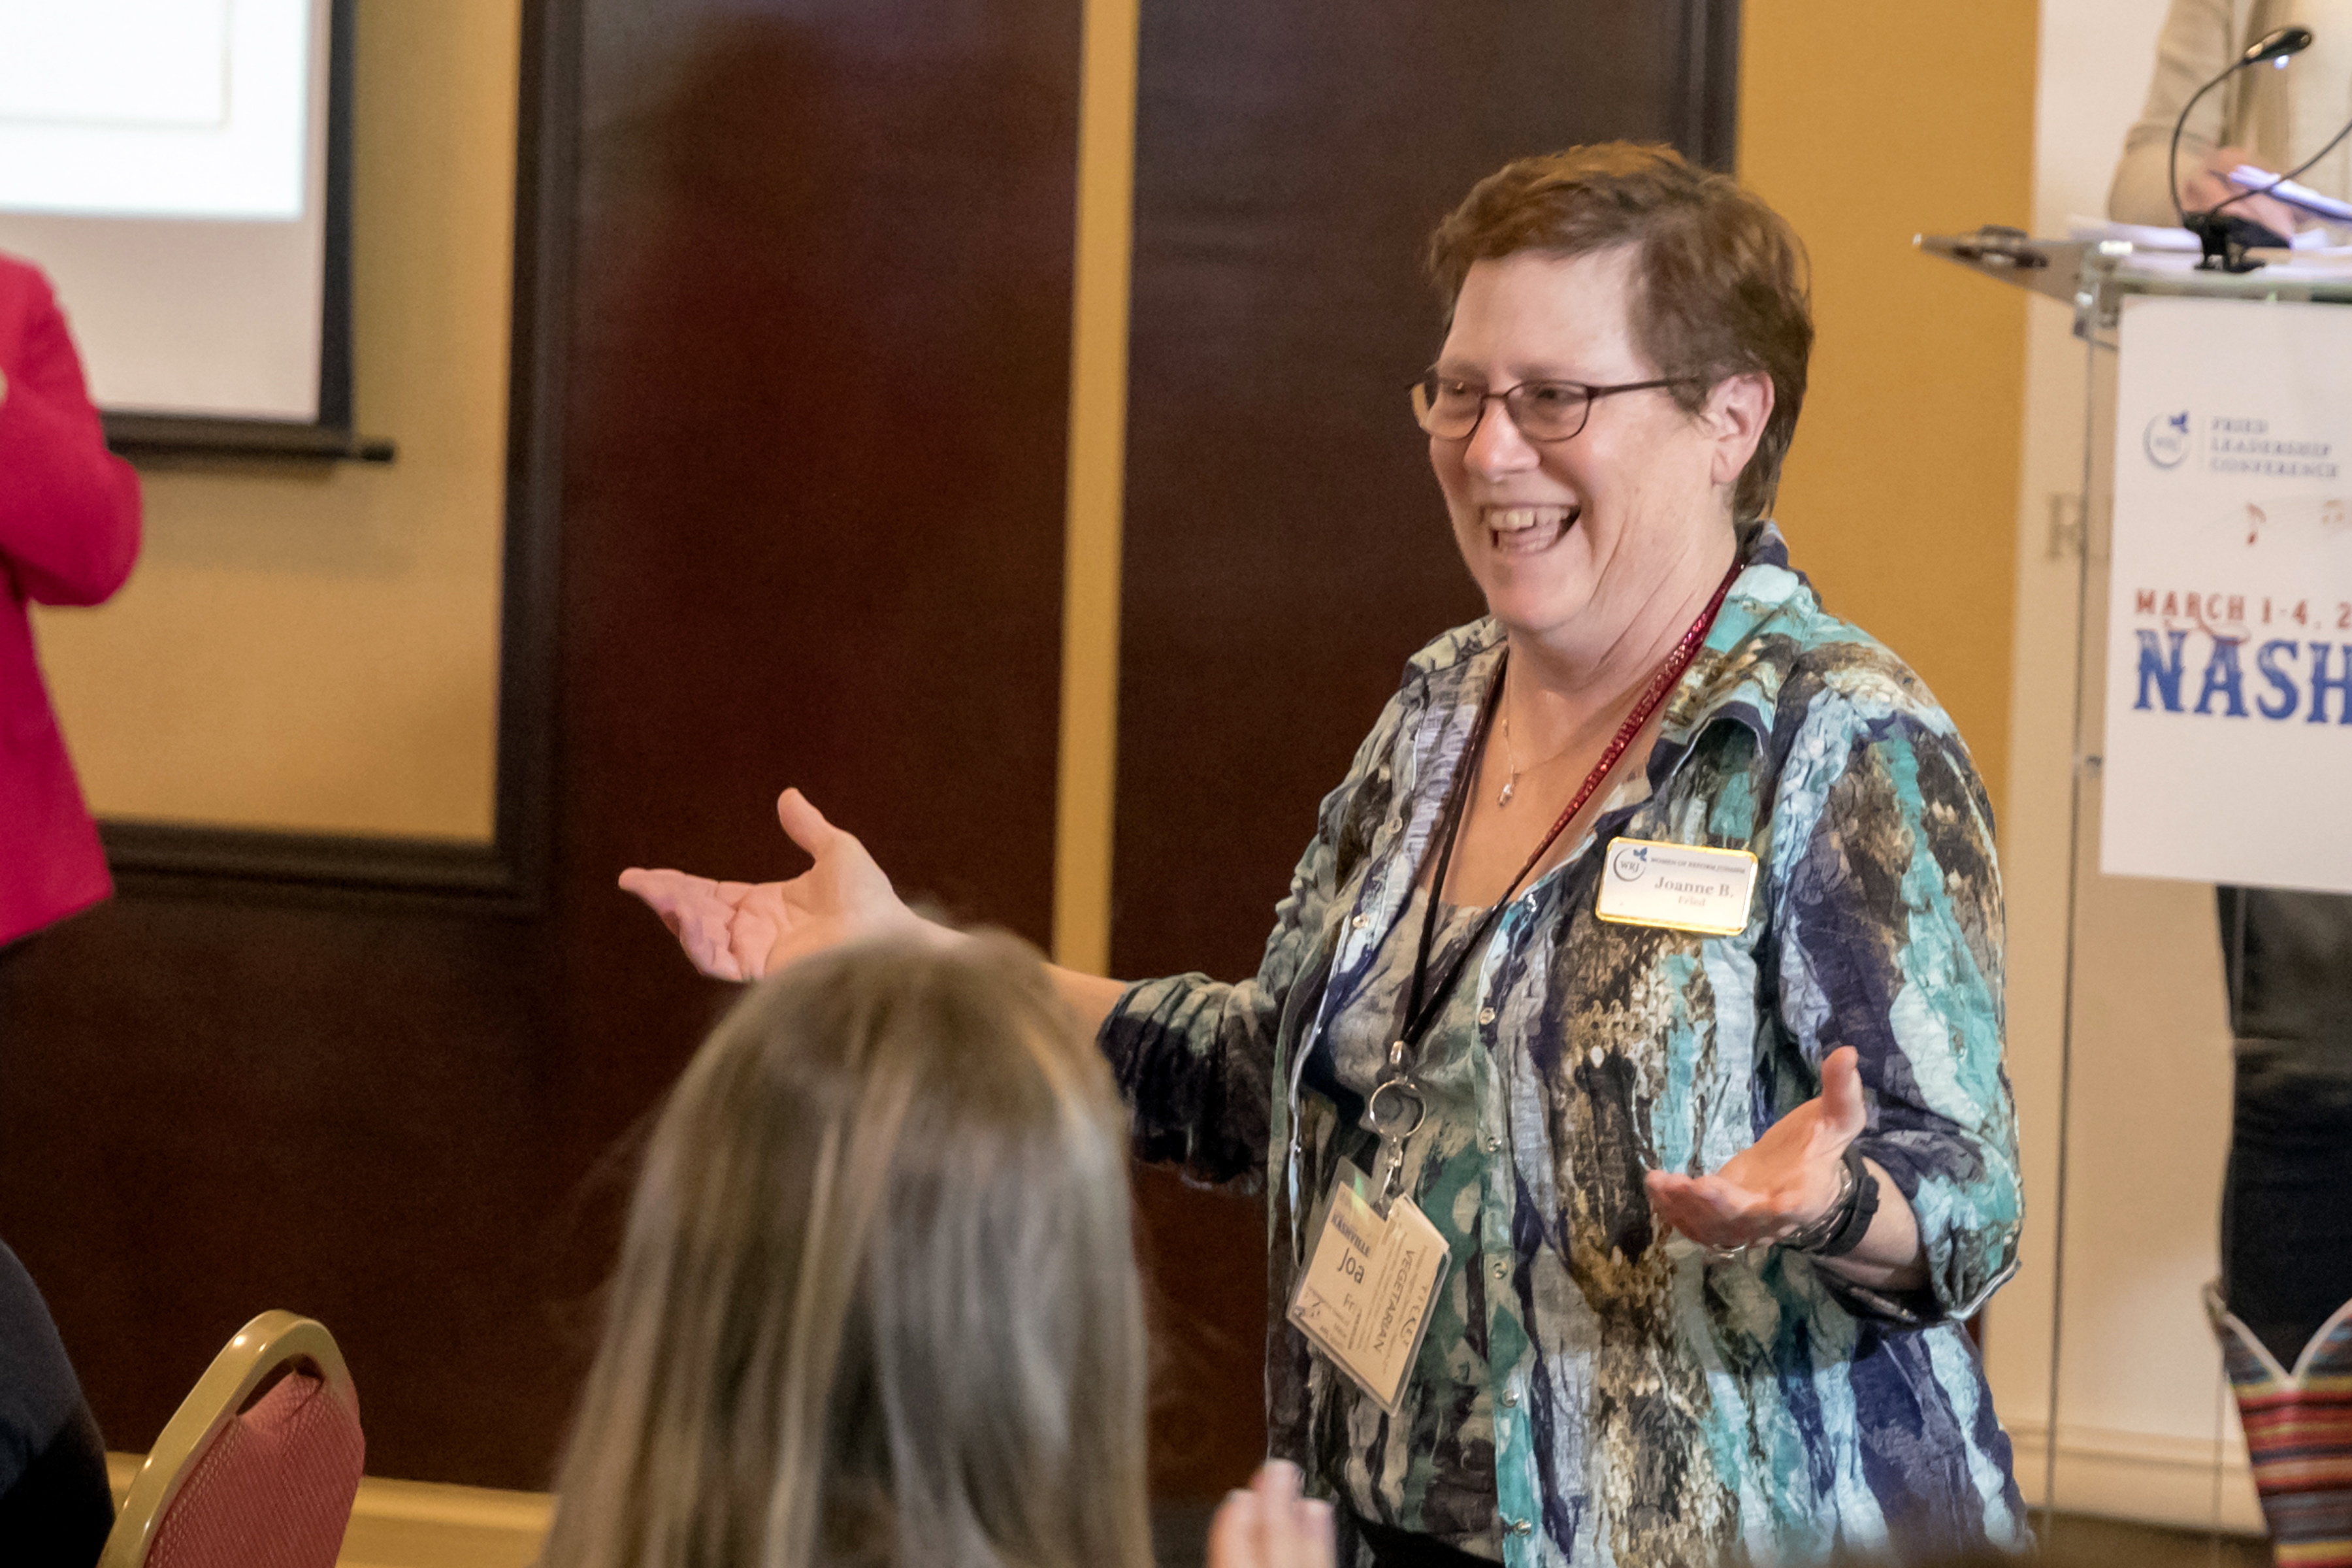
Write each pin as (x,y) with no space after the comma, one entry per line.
(2221,247)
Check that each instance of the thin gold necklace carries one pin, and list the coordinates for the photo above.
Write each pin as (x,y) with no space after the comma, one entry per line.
(1511,757)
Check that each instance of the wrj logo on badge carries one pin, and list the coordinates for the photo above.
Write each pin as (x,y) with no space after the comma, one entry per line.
(1681,886)
(2229,677)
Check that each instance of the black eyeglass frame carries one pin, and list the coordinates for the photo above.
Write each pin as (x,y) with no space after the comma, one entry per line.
(1425,403)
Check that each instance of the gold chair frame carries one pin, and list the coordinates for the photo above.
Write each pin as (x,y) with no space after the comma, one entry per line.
(269,1341)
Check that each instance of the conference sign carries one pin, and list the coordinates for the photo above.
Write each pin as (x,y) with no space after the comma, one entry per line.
(2229,675)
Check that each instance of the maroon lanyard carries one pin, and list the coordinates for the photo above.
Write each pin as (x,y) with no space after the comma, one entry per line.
(1421,1014)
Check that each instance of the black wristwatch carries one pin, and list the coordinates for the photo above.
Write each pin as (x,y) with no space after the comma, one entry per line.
(1840,1229)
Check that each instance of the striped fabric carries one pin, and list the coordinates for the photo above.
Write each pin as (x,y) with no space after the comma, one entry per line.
(2299,1432)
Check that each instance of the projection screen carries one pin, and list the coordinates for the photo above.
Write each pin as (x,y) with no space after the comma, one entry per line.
(167,163)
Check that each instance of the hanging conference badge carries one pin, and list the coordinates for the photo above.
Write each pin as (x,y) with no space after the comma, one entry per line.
(1679,886)
(1365,1297)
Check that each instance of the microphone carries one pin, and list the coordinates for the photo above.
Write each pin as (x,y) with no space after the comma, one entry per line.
(2273,46)
(2226,239)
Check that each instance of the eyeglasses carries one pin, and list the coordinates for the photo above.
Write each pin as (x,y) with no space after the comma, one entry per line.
(1450,408)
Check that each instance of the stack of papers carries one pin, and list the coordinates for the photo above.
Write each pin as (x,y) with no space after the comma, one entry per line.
(2291,194)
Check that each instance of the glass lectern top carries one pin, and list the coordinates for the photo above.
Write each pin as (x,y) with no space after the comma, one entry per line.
(2079,272)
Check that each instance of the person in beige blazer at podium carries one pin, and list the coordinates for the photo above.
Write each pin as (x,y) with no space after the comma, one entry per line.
(2270,118)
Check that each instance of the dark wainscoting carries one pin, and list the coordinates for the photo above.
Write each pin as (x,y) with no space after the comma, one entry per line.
(800,409)
(1285,548)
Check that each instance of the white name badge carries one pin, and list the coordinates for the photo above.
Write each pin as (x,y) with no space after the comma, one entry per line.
(1680,887)
(1365,1297)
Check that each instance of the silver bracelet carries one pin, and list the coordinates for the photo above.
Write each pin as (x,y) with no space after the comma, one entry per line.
(1809,1237)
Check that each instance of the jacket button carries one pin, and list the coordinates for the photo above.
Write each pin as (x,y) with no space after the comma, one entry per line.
(1520,1527)
(1358,922)
(1486,1015)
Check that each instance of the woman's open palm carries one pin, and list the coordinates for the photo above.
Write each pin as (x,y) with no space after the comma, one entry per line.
(1784,1180)
(741,931)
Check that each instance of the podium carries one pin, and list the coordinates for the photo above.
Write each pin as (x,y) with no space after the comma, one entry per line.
(2212,554)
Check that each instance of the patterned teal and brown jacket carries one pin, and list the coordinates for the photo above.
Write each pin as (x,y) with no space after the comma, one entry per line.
(1592,1390)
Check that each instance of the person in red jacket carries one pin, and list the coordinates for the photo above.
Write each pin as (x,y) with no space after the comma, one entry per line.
(68,535)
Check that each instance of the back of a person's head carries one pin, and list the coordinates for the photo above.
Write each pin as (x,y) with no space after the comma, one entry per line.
(877,1302)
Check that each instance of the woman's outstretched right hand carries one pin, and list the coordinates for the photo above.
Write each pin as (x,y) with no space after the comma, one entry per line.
(741,931)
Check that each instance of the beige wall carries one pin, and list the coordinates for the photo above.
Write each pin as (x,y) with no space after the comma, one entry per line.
(1864,124)
(317,649)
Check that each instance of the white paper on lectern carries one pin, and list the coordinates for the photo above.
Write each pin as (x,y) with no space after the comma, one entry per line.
(2230,596)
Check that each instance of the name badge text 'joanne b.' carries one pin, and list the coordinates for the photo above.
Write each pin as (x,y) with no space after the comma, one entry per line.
(1679,886)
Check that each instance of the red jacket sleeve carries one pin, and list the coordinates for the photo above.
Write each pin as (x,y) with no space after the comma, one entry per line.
(68,507)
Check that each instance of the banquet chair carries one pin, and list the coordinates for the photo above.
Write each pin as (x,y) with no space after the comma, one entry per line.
(254,1482)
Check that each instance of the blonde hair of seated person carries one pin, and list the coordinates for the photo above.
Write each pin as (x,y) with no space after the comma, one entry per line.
(877,1302)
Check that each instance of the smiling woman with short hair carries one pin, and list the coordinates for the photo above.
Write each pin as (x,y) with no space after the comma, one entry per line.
(1648,958)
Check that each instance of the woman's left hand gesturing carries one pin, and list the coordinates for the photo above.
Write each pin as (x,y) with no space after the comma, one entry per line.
(1783,1181)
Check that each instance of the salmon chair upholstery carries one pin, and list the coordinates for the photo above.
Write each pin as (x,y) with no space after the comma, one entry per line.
(258,1466)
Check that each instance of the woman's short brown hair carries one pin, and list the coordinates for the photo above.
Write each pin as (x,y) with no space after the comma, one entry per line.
(1722,277)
